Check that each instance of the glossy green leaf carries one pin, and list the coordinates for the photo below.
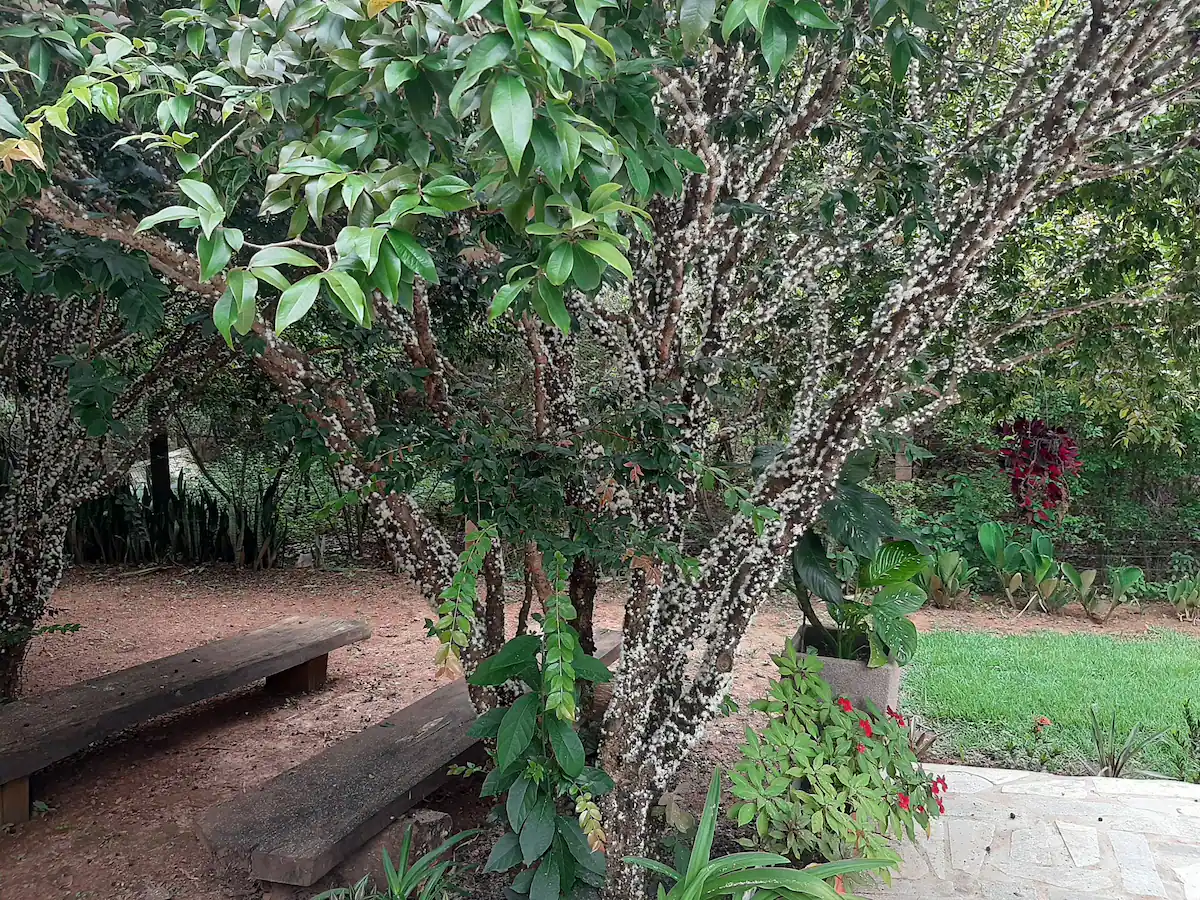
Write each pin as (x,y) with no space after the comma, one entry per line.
(170,214)
(552,306)
(516,730)
(282,256)
(812,571)
(568,749)
(553,48)
(537,831)
(505,854)
(413,255)
(558,267)
(812,14)
(224,316)
(296,301)
(214,254)
(512,117)
(503,299)
(347,289)
(397,72)
(610,254)
(694,19)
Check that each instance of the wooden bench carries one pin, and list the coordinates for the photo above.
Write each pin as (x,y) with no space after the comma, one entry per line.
(292,655)
(298,826)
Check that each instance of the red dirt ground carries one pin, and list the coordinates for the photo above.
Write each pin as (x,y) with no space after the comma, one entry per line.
(120,819)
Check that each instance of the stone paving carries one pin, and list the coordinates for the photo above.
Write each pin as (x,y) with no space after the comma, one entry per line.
(1028,836)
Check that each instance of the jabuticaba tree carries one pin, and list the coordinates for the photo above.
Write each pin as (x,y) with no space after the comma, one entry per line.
(814,187)
(87,373)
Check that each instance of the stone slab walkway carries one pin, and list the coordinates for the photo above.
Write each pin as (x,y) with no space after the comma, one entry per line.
(1028,836)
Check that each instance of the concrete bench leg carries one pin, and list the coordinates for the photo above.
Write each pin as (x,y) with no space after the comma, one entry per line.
(309,676)
(14,802)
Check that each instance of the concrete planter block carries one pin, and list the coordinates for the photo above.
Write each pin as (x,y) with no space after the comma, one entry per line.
(851,679)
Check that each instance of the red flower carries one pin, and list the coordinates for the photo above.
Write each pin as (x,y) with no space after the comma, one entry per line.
(939,785)
(862,748)
(866,727)
(941,805)
(903,801)
(1041,723)
(845,704)
(920,809)
(899,718)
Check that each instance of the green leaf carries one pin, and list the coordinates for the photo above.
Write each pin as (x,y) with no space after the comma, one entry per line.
(223,317)
(553,48)
(244,288)
(635,169)
(516,730)
(396,73)
(522,798)
(361,242)
(586,271)
(694,18)
(10,122)
(347,289)
(735,15)
(504,299)
(170,214)
(610,254)
(513,22)
(195,40)
(413,255)
(273,277)
(108,100)
(588,668)
(296,301)
(505,855)
(900,636)
(214,254)
(901,599)
(811,570)
(548,152)
(469,8)
(386,275)
(537,831)
(512,117)
(774,42)
(487,725)
(546,881)
(756,13)
(568,749)
(810,13)
(706,829)
(689,161)
(552,308)
(203,195)
(489,52)
(513,658)
(281,256)
(894,562)
(558,267)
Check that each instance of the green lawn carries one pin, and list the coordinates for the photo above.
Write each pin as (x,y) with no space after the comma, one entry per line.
(981,691)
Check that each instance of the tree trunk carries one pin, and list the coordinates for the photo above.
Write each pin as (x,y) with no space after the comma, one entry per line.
(31,564)
(12,659)
(582,590)
(160,472)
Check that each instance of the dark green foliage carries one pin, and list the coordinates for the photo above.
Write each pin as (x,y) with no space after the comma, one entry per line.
(199,526)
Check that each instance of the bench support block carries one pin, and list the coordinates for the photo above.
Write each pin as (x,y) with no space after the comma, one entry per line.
(14,802)
(308,676)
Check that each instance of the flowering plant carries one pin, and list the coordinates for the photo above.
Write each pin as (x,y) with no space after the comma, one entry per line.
(1038,460)
(827,781)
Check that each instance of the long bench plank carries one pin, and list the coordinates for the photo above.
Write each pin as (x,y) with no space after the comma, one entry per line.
(298,826)
(45,729)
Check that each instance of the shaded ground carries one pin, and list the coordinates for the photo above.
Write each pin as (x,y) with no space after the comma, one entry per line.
(120,819)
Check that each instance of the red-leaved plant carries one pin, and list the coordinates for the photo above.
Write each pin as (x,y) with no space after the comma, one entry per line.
(1038,459)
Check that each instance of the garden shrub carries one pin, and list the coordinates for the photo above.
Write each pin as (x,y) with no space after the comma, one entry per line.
(825,781)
